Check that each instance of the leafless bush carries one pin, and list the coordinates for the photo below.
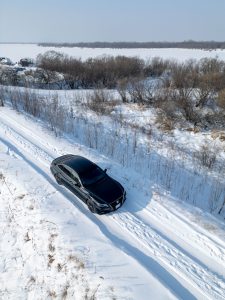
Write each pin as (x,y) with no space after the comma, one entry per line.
(140,91)
(8,76)
(65,291)
(79,263)
(51,259)
(215,197)
(100,101)
(215,70)
(204,91)
(221,99)
(184,76)
(206,156)
(164,121)
(104,71)
(213,121)
(52,294)
(2,177)
(122,89)
(156,66)
(2,96)
(187,108)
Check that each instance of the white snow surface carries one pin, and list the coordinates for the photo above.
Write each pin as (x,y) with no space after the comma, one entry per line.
(51,246)
(17,51)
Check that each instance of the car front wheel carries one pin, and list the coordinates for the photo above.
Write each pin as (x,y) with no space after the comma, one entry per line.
(58,180)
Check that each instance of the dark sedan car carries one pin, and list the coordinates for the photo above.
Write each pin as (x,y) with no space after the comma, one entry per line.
(89,182)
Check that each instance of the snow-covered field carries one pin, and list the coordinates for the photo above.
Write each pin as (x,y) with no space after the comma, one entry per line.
(51,246)
(17,51)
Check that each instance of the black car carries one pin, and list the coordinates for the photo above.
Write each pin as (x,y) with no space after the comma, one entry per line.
(89,182)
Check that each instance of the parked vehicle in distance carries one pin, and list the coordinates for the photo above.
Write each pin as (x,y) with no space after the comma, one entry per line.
(5,61)
(26,62)
(89,182)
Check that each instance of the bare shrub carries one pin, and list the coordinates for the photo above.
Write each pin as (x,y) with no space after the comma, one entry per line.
(213,121)
(27,237)
(156,66)
(52,294)
(165,122)
(122,88)
(221,99)
(187,108)
(206,156)
(184,76)
(79,263)
(215,69)
(1,97)
(8,76)
(50,259)
(100,102)
(140,91)
(204,91)
(101,71)
(65,291)
(2,177)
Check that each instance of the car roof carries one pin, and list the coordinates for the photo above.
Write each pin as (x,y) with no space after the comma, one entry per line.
(78,163)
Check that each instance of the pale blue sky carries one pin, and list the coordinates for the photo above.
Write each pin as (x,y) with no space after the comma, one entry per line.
(115,20)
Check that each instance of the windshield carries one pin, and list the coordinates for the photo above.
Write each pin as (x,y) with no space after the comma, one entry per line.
(92,176)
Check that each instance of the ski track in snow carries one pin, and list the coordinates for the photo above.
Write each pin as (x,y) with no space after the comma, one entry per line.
(145,229)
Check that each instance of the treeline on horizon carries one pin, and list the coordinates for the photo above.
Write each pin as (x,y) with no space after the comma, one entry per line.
(145,45)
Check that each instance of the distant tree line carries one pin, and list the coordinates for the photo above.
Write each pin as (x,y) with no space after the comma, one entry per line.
(185,44)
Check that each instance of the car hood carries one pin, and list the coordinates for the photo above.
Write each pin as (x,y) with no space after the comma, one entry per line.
(107,189)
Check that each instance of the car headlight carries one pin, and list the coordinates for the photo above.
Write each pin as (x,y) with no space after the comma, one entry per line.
(98,203)
(101,204)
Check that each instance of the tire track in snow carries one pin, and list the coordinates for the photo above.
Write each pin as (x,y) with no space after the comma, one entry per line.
(170,256)
(202,242)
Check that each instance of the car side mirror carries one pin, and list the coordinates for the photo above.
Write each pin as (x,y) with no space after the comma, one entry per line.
(105,170)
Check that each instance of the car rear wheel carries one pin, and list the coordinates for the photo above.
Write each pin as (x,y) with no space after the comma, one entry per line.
(58,180)
(91,207)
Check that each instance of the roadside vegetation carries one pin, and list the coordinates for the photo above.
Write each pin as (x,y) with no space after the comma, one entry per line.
(184,95)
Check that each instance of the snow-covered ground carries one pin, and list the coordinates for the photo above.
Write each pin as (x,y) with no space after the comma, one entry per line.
(51,246)
(17,51)
(176,161)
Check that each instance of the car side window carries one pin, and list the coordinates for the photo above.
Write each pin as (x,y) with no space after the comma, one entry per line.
(75,179)
(65,170)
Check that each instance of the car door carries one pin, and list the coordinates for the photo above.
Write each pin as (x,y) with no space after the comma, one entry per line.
(77,186)
(71,181)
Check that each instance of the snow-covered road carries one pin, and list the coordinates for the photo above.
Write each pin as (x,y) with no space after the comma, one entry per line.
(151,248)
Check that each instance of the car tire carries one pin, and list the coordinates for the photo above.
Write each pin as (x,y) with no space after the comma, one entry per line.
(58,180)
(91,206)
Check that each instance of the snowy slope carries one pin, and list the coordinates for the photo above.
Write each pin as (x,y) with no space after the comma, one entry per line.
(151,248)
(174,160)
